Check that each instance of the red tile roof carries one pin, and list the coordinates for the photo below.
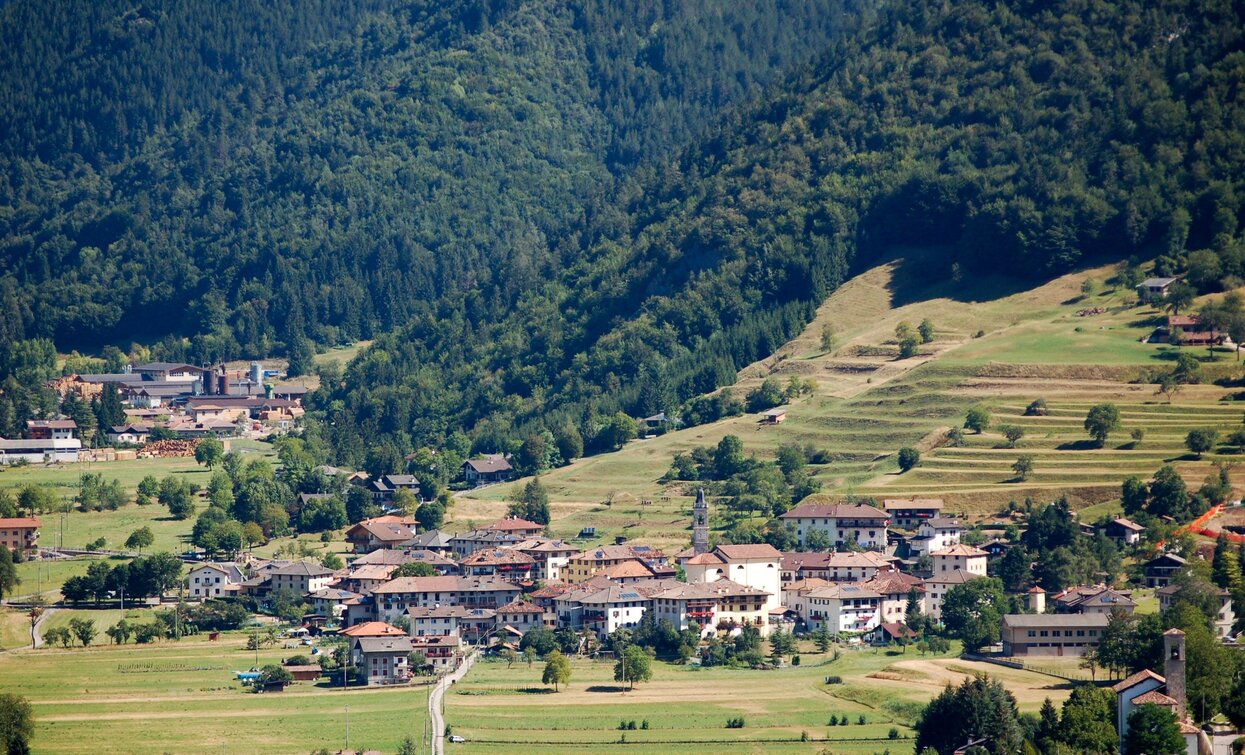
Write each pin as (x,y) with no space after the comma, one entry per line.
(21,522)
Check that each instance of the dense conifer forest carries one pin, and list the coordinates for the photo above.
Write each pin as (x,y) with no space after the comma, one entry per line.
(549,213)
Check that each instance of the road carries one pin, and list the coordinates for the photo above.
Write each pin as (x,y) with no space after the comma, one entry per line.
(435,705)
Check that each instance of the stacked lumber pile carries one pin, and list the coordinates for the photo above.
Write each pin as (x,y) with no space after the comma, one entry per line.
(168,449)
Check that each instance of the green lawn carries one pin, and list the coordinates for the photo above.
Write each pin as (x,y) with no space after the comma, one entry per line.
(182,697)
(496,707)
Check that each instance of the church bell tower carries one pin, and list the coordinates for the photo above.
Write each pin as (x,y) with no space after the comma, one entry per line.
(700,524)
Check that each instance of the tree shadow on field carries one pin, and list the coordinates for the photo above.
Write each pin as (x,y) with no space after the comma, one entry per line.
(923,273)
(606,688)
(534,691)
(1079,445)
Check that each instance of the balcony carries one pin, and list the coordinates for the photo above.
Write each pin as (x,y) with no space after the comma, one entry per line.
(700,613)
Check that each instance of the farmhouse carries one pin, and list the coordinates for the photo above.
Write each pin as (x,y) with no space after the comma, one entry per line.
(773,416)
(214,580)
(491,468)
(935,534)
(957,557)
(373,534)
(1124,531)
(331,602)
(550,556)
(895,589)
(440,652)
(523,615)
(50,429)
(1160,570)
(363,578)
(394,597)
(1225,618)
(1189,330)
(584,565)
(937,586)
(851,608)
(516,526)
(20,533)
(467,543)
(842,523)
(1094,599)
(908,513)
(1152,289)
(382,660)
(302,577)
(835,567)
(504,562)
(383,488)
(132,434)
(712,604)
(1052,633)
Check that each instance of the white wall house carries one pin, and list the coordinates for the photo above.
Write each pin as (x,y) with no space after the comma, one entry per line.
(213,580)
(965,557)
(841,608)
(842,523)
(755,566)
(936,534)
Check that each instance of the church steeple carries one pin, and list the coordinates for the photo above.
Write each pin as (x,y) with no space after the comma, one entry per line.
(700,523)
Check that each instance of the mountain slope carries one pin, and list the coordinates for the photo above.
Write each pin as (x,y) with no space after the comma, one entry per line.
(1020,137)
(264,173)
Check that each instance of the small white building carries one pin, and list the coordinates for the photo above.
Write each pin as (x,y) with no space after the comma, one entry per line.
(213,580)
(957,557)
(937,533)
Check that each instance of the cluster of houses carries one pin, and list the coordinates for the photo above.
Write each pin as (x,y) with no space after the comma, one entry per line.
(489,586)
(190,402)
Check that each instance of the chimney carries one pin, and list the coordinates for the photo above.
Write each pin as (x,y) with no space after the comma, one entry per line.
(222,386)
(1173,668)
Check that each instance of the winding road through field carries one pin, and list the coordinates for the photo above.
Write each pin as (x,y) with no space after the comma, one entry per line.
(435,703)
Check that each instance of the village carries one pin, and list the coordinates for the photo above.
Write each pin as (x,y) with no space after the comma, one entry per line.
(378,582)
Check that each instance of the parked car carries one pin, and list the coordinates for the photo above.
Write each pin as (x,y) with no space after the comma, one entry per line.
(456,739)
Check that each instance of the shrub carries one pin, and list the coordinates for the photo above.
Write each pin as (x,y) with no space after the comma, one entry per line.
(735,723)
(908,458)
(892,734)
(795,660)
(834,680)
(861,720)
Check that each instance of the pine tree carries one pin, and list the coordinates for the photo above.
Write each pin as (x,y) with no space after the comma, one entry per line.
(1225,568)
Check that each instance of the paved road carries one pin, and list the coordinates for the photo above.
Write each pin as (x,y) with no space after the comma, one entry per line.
(435,704)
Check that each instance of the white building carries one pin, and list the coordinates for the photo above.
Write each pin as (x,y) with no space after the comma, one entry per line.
(39,451)
(937,587)
(302,577)
(936,534)
(755,566)
(842,523)
(851,608)
(710,604)
(836,567)
(957,557)
(1224,619)
(213,580)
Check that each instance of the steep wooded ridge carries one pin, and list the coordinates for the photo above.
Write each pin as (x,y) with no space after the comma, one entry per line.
(1014,136)
(250,174)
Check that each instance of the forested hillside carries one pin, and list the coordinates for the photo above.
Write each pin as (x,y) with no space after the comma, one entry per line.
(1014,136)
(257,176)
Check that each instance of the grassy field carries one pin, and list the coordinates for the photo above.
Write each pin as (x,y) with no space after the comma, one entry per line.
(997,351)
(499,707)
(182,697)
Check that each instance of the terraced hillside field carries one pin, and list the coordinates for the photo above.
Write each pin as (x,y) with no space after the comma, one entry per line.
(993,348)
